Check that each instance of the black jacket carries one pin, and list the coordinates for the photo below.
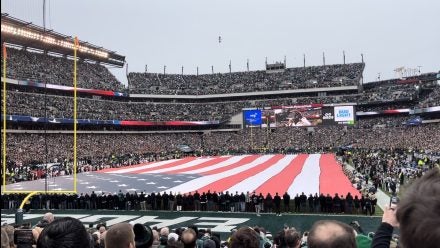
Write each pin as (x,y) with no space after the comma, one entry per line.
(382,237)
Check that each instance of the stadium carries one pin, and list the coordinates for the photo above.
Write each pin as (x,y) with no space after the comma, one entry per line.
(280,155)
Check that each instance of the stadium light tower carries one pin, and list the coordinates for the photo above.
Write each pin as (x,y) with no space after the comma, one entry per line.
(304,60)
(343,56)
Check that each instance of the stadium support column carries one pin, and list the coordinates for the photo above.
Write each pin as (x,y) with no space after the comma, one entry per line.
(182,70)
(164,69)
(285,61)
(230,66)
(197,70)
(323,58)
(212,69)
(247,65)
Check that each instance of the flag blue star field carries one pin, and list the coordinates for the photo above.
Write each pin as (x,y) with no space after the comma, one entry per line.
(308,173)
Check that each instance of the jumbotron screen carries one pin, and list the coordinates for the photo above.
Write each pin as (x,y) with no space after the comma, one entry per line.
(301,116)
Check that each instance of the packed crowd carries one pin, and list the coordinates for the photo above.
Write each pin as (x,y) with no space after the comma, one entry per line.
(99,151)
(389,170)
(33,104)
(203,201)
(416,216)
(432,100)
(44,68)
(225,83)
(29,104)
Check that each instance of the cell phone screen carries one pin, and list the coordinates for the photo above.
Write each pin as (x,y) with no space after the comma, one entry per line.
(394,200)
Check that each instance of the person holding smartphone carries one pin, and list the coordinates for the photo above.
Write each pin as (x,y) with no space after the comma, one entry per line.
(416,216)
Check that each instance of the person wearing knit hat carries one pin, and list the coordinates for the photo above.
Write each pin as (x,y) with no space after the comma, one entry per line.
(208,243)
(143,236)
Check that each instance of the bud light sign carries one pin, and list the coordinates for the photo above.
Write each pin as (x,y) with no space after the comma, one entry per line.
(252,117)
(344,114)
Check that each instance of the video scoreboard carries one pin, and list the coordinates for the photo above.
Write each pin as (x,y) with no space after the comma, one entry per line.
(299,115)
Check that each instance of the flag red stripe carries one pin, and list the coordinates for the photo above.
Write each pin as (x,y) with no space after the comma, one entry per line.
(242,162)
(199,166)
(228,182)
(172,164)
(281,182)
(332,179)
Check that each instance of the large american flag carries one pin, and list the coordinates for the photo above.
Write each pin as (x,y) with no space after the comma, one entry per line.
(274,173)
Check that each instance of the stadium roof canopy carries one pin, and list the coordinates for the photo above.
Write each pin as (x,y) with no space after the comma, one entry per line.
(17,32)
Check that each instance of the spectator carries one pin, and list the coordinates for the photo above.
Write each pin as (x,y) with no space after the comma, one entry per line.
(64,232)
(5,239)
(292,238)
(416,215)
(47,219)
(143,236)
(10,232)
(189,238)
(245,237)
(120,235)
(329,233)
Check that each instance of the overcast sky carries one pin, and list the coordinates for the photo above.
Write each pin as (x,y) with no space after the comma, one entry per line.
(185,33)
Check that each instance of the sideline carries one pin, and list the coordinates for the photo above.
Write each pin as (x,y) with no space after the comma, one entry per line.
(382,198)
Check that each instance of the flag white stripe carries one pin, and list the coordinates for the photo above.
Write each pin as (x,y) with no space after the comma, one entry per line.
(180,166)
(308,180)
(149,165)
(203,181)
(255,181)
(230,161)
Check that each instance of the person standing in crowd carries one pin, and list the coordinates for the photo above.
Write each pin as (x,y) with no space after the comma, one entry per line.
(268,203)
(416,215)
(261,202)
(45,221)
(179,202)
(203,202)
(248,199)
(165,200)
(196,201)
(242,202)
(331,233)
(297,203)
(349,201)
(171,199)
(277,203)
(120,235)
(66,232)
(254,198)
